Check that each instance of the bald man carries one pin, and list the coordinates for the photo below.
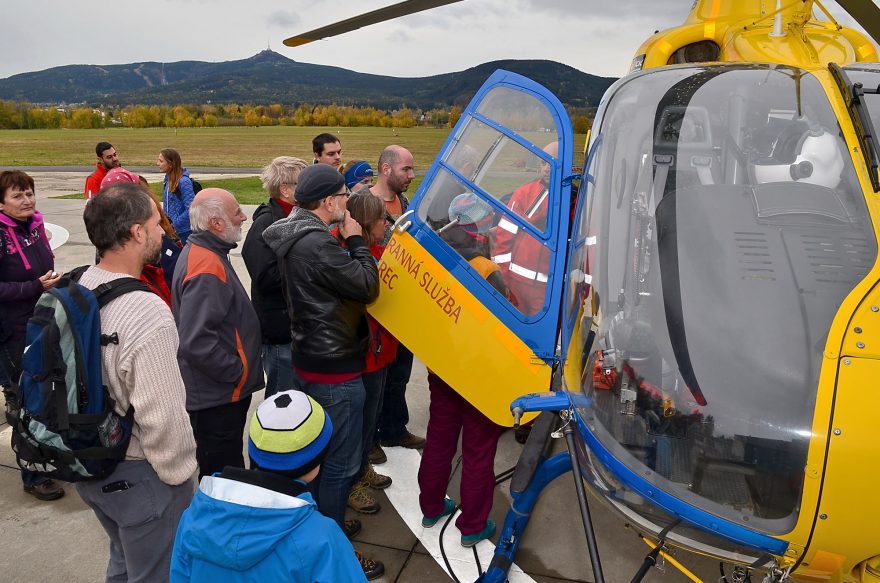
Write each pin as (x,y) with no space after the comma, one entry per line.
(522,258)
(220,340)
(395,173)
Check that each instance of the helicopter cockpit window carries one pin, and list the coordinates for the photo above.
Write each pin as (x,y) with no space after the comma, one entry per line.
(485,164)
(725,224)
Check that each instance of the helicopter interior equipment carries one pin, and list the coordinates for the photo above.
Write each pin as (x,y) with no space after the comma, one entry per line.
(712,310)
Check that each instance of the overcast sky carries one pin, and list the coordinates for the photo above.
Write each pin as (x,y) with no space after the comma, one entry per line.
(595,36)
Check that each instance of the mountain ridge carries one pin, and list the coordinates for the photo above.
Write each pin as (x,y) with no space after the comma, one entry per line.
(269,77)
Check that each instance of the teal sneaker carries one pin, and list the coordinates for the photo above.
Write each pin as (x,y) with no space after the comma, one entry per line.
(448,508)
(469,540)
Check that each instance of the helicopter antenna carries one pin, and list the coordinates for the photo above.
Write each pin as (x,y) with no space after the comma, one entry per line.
(376,16)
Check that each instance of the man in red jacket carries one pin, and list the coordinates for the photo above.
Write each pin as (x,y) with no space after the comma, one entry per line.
(522,258)
(107,160)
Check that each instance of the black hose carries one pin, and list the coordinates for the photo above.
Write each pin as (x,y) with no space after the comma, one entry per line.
(649,562)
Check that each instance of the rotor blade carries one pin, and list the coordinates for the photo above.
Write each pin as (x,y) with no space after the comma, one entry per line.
(376,16)
(866,13)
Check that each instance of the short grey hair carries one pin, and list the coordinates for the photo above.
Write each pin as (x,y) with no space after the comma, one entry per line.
(281,170)
(201,213)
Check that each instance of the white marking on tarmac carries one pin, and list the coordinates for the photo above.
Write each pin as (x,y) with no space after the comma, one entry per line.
(402,466)
(58,235)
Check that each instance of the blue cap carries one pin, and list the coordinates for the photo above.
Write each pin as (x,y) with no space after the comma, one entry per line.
(357,173)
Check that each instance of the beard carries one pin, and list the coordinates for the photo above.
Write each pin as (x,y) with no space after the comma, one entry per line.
(398,185)
(153,253)
(231,234)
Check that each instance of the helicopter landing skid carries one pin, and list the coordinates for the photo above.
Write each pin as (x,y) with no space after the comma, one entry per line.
(534,471)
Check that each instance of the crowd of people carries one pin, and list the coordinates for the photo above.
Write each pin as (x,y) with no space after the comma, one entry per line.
(335,380)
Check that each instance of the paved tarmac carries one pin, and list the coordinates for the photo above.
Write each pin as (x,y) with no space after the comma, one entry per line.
(62,540)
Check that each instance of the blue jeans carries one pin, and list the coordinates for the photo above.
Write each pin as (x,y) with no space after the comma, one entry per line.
(374,386)
(394,414)
(344,403)
(278,364)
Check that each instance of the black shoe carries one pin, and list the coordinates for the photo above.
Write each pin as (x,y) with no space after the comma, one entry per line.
(372,569)
(46,490)
(351,528)
(408,441)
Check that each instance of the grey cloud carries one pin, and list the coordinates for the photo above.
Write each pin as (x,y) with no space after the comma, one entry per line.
(283,19)
(667,10)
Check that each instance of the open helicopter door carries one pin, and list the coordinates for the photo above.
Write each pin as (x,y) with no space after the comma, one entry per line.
(471,280)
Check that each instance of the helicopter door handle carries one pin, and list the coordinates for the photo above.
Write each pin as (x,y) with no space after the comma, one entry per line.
(400,219)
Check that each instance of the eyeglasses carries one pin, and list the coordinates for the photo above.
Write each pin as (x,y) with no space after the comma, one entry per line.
(346,194)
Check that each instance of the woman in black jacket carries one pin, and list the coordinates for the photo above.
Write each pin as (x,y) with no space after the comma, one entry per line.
(27,269)
(267,295)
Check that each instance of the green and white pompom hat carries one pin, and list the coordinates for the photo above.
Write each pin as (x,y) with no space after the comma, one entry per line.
(289,432)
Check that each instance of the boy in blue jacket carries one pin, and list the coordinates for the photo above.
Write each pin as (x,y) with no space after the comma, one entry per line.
(262,524)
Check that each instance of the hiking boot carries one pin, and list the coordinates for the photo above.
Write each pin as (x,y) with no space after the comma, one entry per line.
(46,490)
(469,540)
(360,500)
(448,508)
(375,480)
(408,441)
(372,569)
(351,528)
(377,455)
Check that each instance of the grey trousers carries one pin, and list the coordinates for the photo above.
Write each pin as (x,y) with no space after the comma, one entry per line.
(140,513)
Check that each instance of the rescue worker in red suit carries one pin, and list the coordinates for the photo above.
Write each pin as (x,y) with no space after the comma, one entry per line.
(522,258)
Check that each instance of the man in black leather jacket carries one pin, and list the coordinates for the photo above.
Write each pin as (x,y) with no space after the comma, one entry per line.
(327,290)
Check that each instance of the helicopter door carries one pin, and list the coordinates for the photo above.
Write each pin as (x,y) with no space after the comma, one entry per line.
(471,280)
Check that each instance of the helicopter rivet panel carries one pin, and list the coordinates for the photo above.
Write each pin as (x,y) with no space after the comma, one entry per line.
(849,480)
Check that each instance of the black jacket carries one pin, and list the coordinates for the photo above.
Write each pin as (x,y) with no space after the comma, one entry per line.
(267,292)
(327,290)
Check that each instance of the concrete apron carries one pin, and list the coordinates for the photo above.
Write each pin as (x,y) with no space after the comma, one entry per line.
(43,540)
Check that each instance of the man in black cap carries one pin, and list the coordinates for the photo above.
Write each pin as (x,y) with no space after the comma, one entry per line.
(327,290)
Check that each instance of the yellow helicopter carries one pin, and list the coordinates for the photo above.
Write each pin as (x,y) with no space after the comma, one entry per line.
(702,315)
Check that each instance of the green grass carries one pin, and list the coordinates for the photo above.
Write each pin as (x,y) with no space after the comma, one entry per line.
(233,147)
(237,147)
(246,190)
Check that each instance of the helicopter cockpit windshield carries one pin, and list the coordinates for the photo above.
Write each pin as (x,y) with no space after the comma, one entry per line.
(723,226)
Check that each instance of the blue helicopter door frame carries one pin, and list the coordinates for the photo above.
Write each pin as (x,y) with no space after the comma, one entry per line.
(538,331)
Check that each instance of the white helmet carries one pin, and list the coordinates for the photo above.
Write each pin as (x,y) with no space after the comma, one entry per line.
(818,161)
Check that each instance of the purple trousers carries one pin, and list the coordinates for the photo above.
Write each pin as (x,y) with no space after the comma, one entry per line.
(451,415)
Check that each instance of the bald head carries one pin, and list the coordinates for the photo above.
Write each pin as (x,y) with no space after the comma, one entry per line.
(396,169)
(216,210)
(552,148)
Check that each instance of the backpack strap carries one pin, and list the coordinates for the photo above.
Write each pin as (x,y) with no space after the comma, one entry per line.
(107,292)
(72,275)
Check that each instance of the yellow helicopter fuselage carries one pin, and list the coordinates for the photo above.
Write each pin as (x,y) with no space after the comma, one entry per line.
(841,540)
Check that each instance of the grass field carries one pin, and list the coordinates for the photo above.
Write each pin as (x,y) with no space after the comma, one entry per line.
(236,147)
(232,147)
(240,147)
